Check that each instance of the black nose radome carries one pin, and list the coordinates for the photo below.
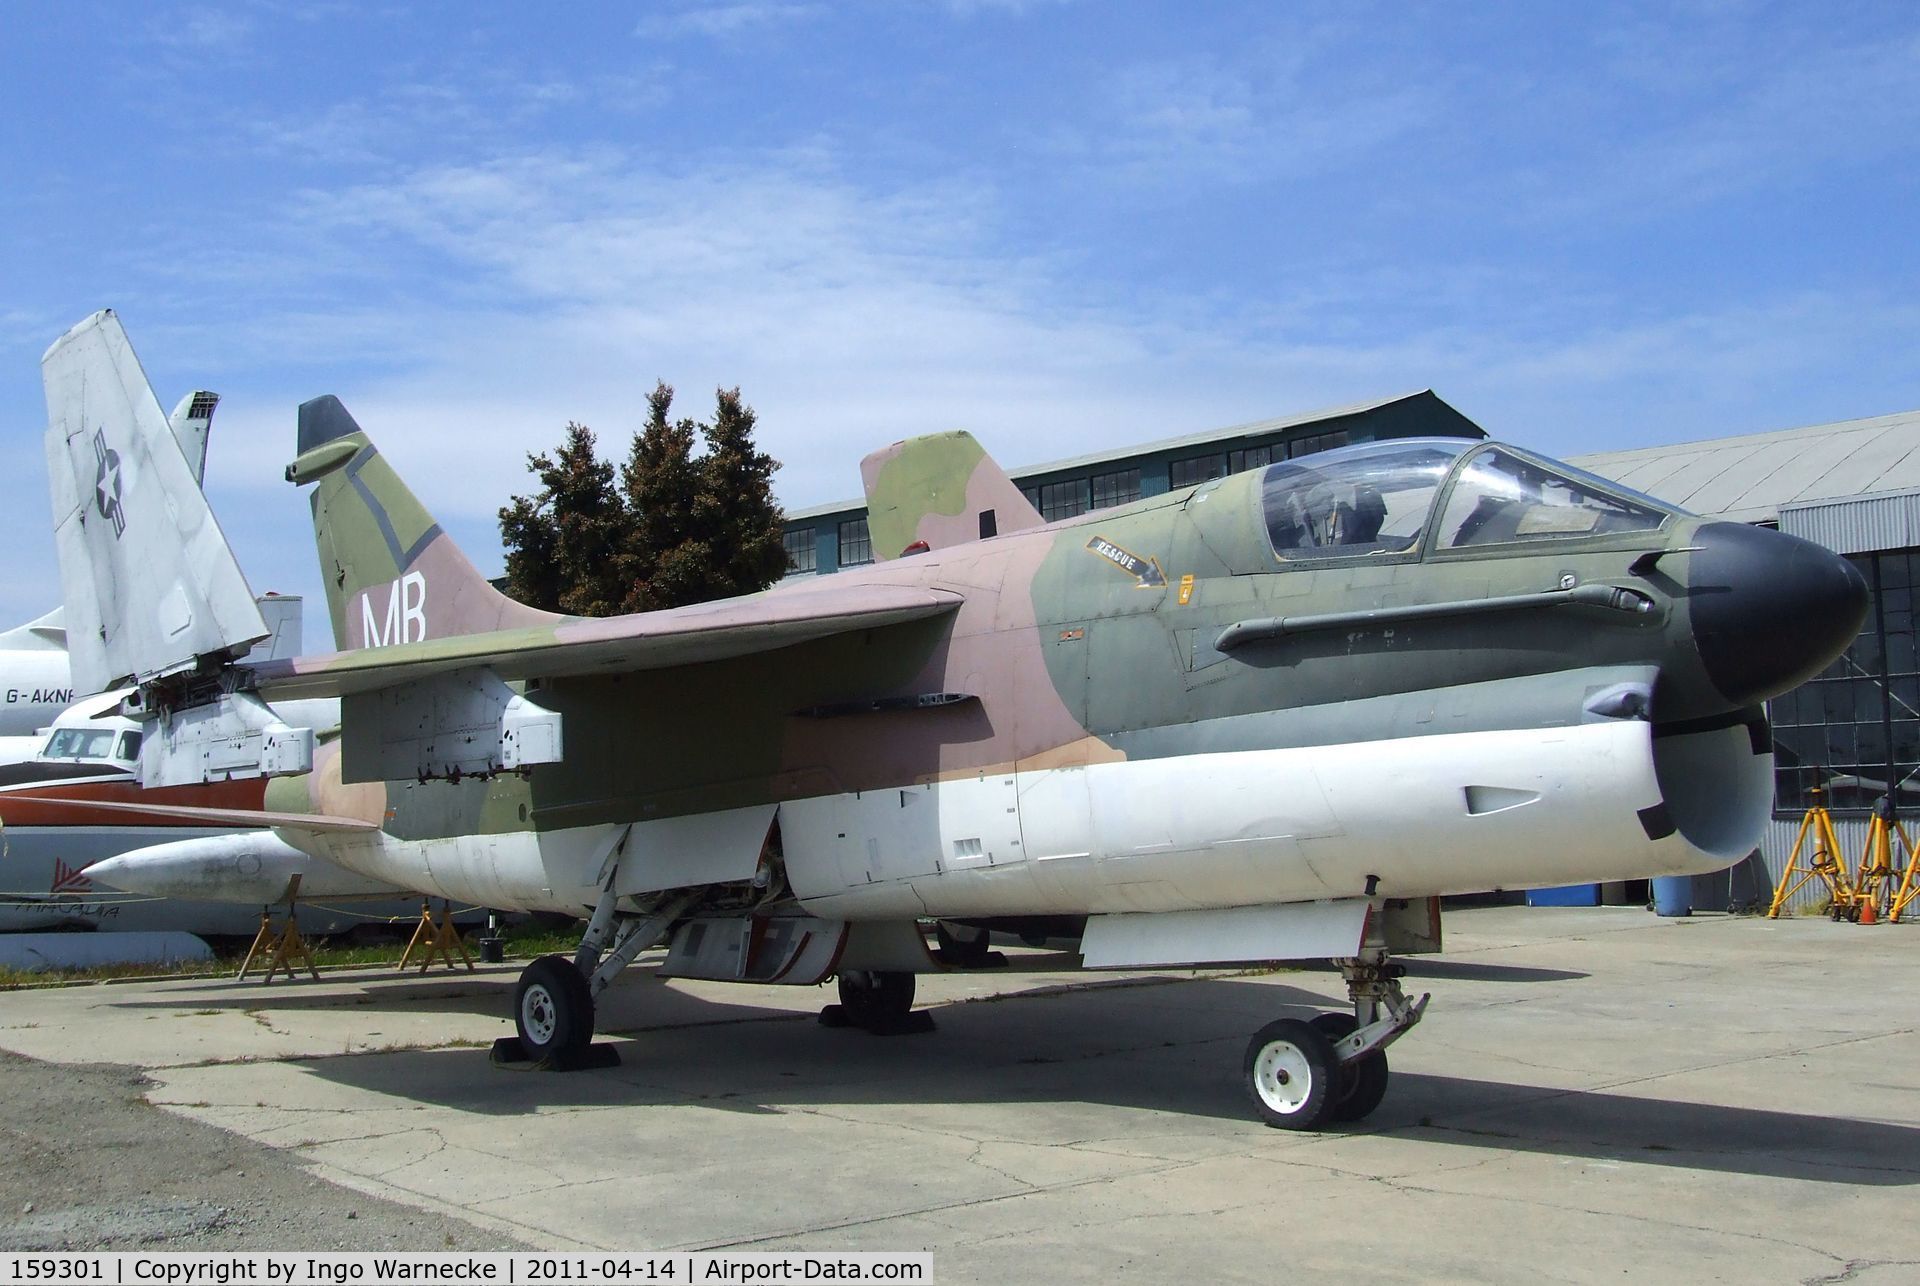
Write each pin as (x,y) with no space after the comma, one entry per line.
(1769,611)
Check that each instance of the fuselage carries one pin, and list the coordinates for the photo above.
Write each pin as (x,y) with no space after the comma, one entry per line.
(1521,676)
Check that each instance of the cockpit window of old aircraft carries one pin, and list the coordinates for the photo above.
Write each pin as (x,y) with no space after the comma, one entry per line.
(1502,499)
(1370,499)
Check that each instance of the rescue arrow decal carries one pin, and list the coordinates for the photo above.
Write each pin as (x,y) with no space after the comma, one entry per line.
(1146,571)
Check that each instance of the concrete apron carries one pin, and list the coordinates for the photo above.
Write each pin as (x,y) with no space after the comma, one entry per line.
(1593,1091)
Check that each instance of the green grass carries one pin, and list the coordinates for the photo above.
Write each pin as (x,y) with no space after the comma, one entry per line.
(523,942)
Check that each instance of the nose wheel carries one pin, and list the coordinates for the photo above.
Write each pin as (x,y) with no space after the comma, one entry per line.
(1303,1074)
(1291,1071)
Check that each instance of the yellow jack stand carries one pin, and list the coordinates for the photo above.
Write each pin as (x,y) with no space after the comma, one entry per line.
(281,947)
(1909,885)
(1874,880)
(1826,863)
(436,936)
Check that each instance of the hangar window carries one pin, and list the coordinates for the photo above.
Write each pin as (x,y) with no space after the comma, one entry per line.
(1371,499)
(1122,488)
(856,545)
(1502,499)
(1063,499)
(1855,728)
(1251,458)
(800,551)
(1193,472)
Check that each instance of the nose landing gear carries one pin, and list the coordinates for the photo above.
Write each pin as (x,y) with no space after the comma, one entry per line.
(1300,1075)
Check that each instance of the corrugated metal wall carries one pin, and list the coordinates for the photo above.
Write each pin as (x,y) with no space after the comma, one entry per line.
(1864,525)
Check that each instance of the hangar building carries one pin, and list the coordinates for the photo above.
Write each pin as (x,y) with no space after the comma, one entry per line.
(1855,488)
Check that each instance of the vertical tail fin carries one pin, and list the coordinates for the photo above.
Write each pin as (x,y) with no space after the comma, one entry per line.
(939,490)
(151,586)
(392,575)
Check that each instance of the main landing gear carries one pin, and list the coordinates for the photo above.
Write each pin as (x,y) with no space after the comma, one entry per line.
(554,1002)
(876,1001)
(1333,1067)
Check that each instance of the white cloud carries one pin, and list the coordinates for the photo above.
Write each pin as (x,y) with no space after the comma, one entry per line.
(720,21)
(203,29)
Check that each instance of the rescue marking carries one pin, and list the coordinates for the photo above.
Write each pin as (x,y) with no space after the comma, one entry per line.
(1145,571)
(1186,589)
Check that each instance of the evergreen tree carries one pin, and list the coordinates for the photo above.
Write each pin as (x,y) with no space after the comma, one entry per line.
(563,542)
(678,528)
(664,559)
(735,510)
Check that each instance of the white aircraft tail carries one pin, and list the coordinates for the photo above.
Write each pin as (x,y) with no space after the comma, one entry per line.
(191,421)
(152,588)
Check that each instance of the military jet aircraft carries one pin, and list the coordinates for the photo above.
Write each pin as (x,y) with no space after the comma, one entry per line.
(1272,717)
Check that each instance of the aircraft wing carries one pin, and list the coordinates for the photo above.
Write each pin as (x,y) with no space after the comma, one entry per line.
(649,641)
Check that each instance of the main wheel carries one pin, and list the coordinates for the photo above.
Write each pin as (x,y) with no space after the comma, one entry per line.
(553,1009)
(871,997)
(1362,1084)
(1291,1075)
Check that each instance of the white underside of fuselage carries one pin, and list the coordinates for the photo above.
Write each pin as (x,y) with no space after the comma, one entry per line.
(1429,815)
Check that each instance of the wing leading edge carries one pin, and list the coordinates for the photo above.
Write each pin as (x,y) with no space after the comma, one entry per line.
(649,641)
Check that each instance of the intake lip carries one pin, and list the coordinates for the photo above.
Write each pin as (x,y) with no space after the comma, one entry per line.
(1769,610)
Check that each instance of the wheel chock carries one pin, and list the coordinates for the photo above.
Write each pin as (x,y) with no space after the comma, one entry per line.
(913,1023)
(509,1053)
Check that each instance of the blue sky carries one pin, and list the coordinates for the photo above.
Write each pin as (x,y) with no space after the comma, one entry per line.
(1063,226)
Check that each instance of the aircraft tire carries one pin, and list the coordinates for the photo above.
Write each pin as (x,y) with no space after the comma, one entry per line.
(1291,1075)
(1362,1084)
(873,998)
(552,1009)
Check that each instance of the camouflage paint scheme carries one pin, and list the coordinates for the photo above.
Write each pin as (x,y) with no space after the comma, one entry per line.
(933,490)
(1066,655)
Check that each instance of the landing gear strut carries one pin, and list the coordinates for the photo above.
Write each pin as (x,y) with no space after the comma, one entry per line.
(554,1002)
(1301,1075)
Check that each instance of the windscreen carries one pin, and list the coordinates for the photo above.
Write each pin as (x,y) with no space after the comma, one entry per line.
(80,743)
(1371,499)
(1503,499)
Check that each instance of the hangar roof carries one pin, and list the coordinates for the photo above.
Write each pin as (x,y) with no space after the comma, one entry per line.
(1421,413)
(1751,477)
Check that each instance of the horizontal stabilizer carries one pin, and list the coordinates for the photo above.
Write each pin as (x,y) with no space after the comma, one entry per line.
(211,816)
(43,634)
(151,587)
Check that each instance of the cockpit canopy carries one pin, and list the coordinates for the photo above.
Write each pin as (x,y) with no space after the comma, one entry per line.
(1367,499)
(1379,498)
